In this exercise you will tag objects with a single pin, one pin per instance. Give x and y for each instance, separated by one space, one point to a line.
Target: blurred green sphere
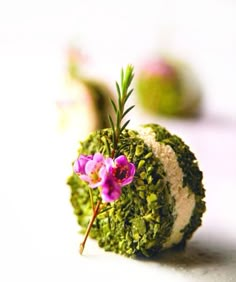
168 87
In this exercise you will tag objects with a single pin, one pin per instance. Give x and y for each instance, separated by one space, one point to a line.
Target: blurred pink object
159 67
75 55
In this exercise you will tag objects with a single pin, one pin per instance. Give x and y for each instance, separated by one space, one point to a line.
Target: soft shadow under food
198 253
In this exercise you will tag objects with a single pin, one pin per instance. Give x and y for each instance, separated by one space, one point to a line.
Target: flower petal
111 191
123 171
80 163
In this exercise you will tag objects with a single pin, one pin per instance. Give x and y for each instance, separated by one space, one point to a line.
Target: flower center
94 174
94 177
120 173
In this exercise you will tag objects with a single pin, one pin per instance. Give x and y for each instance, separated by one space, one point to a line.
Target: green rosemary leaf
118 90
118 118
128 77
124 87
120 104
128 94
122 76
126 111
113 105
111 123
124 125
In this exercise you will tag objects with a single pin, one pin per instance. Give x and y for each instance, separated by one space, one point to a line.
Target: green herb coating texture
142 220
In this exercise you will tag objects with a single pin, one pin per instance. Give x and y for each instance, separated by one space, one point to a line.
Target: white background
38 232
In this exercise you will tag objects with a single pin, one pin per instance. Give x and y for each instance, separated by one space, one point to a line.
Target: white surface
38 232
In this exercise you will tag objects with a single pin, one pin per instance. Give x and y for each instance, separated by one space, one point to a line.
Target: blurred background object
85 105
166 86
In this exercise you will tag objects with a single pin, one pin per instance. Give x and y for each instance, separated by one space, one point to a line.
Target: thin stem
95 213
91 199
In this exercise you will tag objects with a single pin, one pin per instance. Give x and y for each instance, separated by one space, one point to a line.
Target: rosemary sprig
124 93
117 128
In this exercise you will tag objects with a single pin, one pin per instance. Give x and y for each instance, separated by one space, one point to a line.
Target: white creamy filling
184 197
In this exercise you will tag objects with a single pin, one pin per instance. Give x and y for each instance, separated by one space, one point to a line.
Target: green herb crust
192 175
141 220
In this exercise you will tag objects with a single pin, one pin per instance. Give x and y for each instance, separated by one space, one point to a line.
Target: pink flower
79 164
111 175
122 171
111 191
92 169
